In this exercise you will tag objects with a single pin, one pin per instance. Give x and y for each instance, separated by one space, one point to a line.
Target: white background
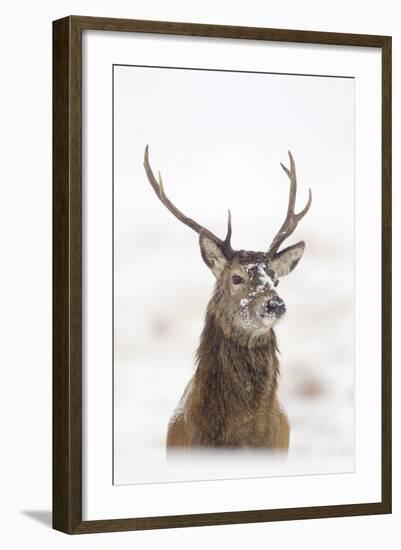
218 139
25 299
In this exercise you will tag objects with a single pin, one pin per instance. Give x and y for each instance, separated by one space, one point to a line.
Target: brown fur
231 400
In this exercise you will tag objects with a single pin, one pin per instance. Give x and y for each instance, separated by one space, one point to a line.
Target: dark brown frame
67 278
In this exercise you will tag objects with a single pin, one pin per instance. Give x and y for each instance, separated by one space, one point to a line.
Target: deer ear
212 255
287 260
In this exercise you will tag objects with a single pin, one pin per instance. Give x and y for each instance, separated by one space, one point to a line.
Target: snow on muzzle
275 307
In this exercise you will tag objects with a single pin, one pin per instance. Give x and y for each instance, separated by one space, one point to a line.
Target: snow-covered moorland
223 150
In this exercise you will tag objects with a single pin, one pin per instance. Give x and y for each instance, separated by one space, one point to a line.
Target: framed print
221 274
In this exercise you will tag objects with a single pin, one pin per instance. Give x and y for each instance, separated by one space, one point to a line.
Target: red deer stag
231 401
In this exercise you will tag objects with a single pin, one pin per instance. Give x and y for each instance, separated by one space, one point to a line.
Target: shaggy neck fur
234 377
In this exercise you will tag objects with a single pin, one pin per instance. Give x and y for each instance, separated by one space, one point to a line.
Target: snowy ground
155 359
162 286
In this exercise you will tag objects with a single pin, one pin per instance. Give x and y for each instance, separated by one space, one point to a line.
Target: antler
291 221
158 188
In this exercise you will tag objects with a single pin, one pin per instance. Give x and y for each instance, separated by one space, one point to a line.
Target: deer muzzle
275 306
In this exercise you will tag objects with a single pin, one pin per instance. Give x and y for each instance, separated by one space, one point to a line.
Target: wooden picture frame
67 273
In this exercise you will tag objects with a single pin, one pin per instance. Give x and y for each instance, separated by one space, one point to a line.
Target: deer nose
275 306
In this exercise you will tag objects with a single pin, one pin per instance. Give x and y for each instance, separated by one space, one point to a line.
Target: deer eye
276 283
237 280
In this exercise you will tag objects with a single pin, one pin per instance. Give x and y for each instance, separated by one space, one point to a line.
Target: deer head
246 299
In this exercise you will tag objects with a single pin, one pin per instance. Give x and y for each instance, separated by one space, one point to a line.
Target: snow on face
262 278
260 282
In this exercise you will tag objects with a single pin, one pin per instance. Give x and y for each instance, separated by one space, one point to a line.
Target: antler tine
229 229
159 190
292 219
